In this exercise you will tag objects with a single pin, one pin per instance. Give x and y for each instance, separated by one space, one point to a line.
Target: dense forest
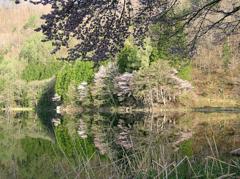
127 87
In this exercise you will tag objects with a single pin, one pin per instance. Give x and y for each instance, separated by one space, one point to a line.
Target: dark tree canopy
100 27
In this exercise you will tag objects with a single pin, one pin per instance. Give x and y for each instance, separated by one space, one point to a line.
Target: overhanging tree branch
100 27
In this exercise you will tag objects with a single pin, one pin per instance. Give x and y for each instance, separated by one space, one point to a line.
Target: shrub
40 71
40 64
74 73
82 71
166 45
34 50
128 59
148 80
185 72
133 58
63 80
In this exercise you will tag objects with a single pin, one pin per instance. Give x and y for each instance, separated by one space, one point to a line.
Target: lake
181 144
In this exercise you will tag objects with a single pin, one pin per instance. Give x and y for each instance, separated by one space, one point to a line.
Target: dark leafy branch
218 15
99 28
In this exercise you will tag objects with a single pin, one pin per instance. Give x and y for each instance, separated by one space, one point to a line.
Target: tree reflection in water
120 145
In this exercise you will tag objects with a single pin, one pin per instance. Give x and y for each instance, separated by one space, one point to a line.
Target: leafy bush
185 72
166 45
82 71
40 71
128 59
34 50
40 64
73 73
133 58
149 79
63 80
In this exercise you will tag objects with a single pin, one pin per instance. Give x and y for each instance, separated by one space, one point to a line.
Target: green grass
227 55
33 50
2 84
186 148
31 23
185 72
1 57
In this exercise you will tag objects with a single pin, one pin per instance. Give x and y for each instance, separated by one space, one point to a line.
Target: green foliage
185 72
31 23
149 78
2 53
2 84
34 50
145 53
41 156
37 147
40 64
74 147
21 98
226 55
74 73
82 71
156 73
132 58
1 57
40 71
186 148
63 80
166 45
65 141
128 60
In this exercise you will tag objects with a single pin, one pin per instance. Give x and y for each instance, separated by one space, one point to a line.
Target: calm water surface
162 145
